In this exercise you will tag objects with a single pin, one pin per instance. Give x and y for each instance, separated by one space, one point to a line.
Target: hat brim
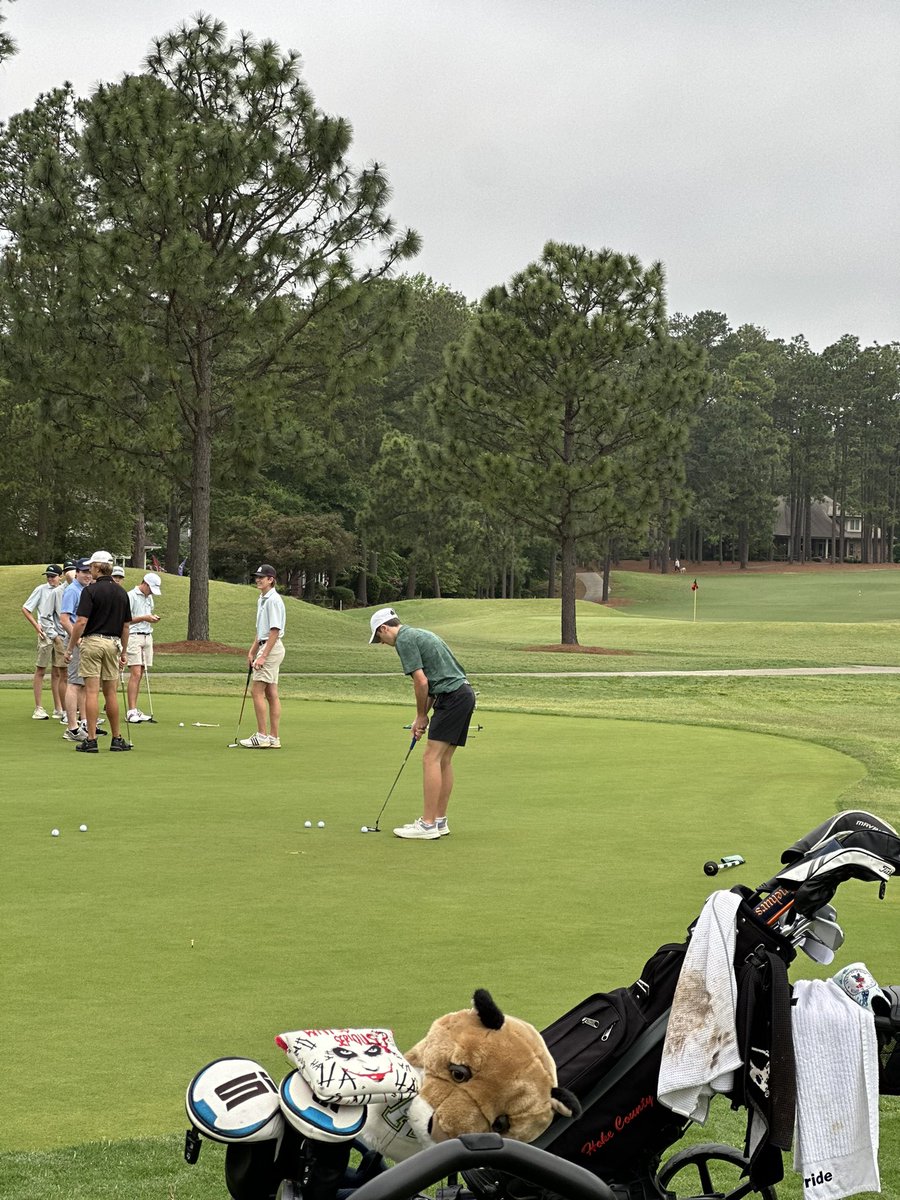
157 591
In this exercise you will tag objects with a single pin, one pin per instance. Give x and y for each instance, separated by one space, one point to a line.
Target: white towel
836 1051
700 1053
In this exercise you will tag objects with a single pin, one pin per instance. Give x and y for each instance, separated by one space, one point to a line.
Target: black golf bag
608 1051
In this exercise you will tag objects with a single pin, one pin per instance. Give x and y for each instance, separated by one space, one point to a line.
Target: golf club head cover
314 1119
350 1066
234 1100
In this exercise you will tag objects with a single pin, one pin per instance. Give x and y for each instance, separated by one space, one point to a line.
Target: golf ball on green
365 829
82 828
181 724
321 824
307 824
54 833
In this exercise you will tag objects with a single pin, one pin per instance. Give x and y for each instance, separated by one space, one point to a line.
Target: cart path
737 672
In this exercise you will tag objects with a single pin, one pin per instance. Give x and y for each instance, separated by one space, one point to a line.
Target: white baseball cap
381 618
118 572
102 557
153 582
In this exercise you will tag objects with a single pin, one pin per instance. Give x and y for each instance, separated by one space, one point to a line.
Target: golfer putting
439 682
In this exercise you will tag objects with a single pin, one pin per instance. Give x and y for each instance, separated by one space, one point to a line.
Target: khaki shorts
269 671
100 658
51 653
140 644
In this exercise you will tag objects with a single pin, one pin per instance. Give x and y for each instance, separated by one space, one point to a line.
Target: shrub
342 597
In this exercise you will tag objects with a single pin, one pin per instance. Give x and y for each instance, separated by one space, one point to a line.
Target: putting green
197 916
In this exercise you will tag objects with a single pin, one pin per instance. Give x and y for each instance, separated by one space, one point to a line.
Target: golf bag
888 1030
607 1050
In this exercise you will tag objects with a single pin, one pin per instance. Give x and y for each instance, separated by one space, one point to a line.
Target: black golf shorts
452 714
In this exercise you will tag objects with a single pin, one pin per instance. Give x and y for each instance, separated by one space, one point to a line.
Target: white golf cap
118 572
102 557
381 618
153 582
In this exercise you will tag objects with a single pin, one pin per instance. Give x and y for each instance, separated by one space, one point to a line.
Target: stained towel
836 1050
700 1053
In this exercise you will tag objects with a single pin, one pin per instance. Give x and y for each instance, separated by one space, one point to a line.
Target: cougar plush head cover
483 1071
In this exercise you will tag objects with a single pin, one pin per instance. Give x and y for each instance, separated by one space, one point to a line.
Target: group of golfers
91 631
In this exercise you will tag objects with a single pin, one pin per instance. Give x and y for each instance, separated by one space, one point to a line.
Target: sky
753 146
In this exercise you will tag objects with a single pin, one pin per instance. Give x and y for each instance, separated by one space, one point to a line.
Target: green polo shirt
421 650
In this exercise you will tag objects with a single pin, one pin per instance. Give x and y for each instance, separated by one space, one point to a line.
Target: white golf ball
321 824
365 829
181 724
307 824
82 828
54 833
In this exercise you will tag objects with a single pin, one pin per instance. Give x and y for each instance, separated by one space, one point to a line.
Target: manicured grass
584 812
198 917
845 596
752 620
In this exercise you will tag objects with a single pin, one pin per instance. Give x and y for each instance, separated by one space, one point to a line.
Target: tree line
210 343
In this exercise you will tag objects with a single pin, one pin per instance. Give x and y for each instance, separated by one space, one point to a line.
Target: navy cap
53 570
82 564
69 565
265 570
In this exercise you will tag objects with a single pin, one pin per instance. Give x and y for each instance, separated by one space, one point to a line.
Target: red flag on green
694 586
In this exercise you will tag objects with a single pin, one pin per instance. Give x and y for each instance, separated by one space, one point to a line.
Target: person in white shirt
265 657
140 640
44 601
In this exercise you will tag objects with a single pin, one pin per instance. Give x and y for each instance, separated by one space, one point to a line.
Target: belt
111 637
141 633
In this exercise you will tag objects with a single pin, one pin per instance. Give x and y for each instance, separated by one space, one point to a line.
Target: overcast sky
751 145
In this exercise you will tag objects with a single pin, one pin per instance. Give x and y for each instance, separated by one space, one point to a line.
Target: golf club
125 706
375 828
725 863
203 725
147 681
472 728
231 745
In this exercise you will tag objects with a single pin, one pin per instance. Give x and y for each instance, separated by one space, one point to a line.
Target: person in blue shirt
75 684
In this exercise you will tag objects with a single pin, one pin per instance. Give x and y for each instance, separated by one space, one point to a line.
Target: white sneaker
40 714
134 716
78 735
418 829
57 715
442 827
259 741
274 743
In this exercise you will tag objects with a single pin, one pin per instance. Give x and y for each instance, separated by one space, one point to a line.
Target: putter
147 681
376 828
231 745
472 728
203 725
125 706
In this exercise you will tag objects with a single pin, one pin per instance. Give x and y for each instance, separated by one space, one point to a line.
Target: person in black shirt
102 624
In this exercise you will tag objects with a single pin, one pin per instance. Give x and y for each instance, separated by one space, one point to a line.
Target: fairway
197 916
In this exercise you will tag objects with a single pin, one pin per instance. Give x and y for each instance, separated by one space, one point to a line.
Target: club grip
725 863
